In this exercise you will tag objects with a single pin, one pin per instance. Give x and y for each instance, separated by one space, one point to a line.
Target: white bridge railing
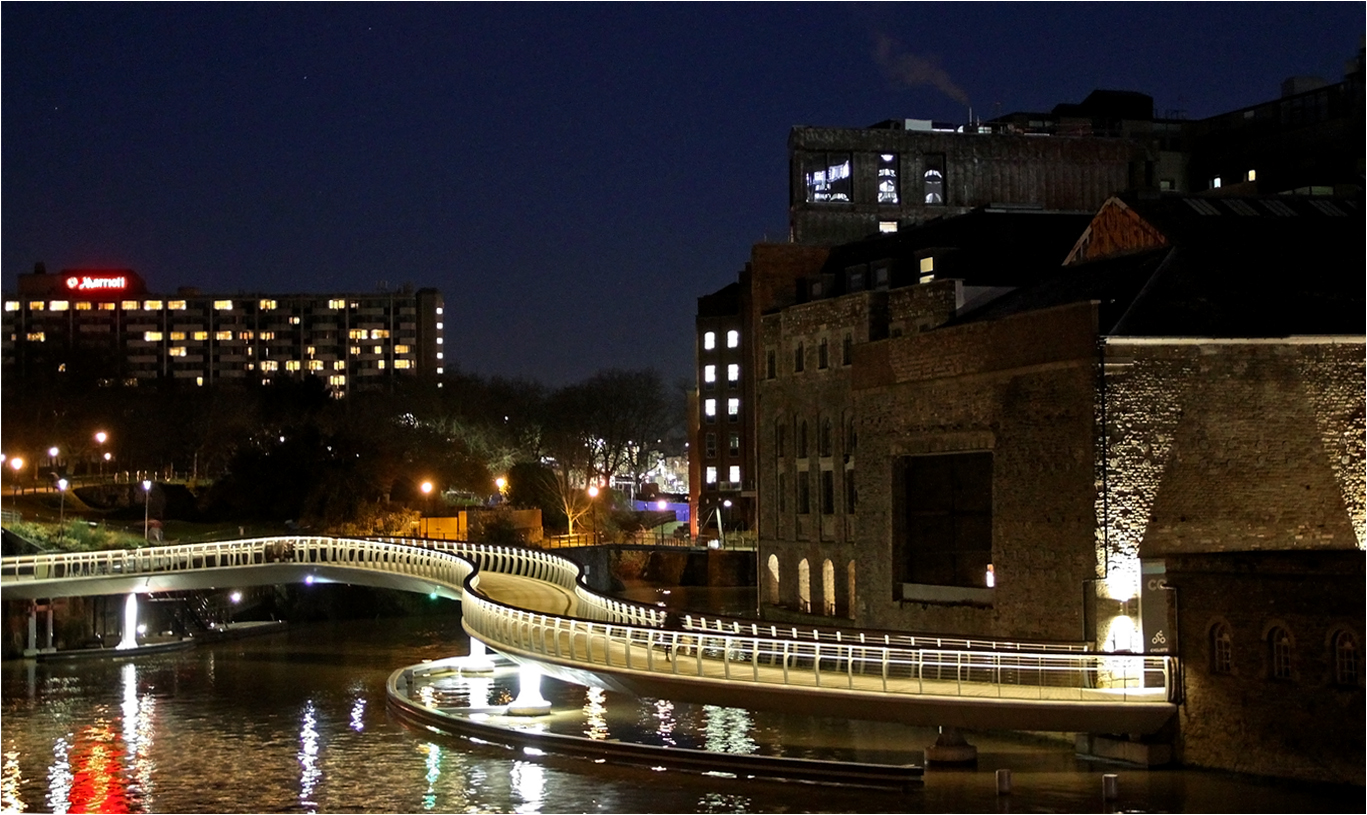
616 635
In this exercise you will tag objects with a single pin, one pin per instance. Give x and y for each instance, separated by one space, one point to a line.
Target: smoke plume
909 70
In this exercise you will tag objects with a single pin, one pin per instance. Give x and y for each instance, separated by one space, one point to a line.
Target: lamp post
16 463
62 484
662 505
721 521
426 488
146 506
52 453
593 515
100 438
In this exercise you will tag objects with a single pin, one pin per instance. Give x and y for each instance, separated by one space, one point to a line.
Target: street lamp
62 484
100 438
593 515
502 484
426 488
662 505
16 464
146 504
721 521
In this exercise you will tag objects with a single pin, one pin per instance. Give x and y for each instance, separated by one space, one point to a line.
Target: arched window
1221 649
1345 658
773 580
1279 653
802 439
804 586
824 439
828 588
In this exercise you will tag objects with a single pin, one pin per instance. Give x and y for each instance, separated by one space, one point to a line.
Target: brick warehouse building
105 326
1088 457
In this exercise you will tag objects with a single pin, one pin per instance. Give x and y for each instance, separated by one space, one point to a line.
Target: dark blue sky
571 177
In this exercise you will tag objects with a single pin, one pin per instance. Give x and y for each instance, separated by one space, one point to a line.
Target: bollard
1003 782
1110 787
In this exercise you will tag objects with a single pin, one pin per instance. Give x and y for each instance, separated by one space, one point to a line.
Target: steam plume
909 70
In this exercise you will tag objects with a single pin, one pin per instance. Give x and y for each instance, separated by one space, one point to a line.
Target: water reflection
137 735
97 781
529 781
308 758
429 798
358 715
664 714
11 778
595 714
716 802
727 730
59 776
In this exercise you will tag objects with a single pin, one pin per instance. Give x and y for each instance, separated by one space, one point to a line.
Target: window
177 336
782 492
887 184
269 365
847 350
107 306
128 305
827 492
357 333
804 493
1279 653
733 443
152 336
711 475
336 303
709 340
36 336
887 227
709 375
292 365
36 305
317 364
266 305
733 374
709 410
200 335
267 335
823 357
733 339
1215 183
223 305
11 305
945 504
827 177
851 498
770 364
933 184
151 305
824 439
223 335
339 365
60 305
799 358
1166 184
176 305
802 439
733 474
733 410
1251 175
84 305
401 349
781 438
880 274
177 351
1345 659
244 335
337 380
710 445
1221 649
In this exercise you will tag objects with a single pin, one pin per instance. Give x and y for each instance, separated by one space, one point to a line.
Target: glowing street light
146 504
62 484
426 487
100 438
52 453
16 463
593 515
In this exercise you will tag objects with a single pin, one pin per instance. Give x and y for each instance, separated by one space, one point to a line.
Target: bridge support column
32 648
529 701
130 623
479 661
951 748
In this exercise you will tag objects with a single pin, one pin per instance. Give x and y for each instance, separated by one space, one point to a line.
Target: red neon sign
96 282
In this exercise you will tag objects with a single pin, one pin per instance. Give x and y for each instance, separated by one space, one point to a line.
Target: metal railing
617 635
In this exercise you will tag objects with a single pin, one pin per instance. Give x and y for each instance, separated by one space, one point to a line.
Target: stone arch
828 588
804 586
772 584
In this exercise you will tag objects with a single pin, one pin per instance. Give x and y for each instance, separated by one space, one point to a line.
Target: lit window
733 444
294 321
129 305
439 371
933 180
176 305
292 365
357 333
711 477
827 177
83 305
733 409
106 306
177 336
709 338
269 365
438 340
887 184
734 474
709 409
380 365
439 325
439 311
223 335
36 305
245 335
266 305
339 365
440 355
403 364
401 349
887 227
151 305
177 351
37 336
310 350
733 372
927 269
355 349
337 380
1215 183
60 305
335 303
200 335
11 305
377 350
733 339
315 365
152 336
1252 175
199 381
709 373
267 335
383 333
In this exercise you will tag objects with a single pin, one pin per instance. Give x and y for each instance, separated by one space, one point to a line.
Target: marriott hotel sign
96 283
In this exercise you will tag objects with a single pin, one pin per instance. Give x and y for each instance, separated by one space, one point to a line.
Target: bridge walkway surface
533 607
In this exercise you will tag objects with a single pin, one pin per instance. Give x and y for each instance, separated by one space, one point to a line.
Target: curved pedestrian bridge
533 607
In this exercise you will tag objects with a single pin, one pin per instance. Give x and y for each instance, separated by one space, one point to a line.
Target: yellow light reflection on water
308 757
727 730
529 782
595 712
10 781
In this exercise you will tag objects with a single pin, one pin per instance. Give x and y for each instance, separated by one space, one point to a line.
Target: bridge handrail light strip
621 646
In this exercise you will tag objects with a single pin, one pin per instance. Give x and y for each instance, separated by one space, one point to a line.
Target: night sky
571 177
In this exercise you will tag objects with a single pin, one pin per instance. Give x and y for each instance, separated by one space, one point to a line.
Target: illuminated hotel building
105 325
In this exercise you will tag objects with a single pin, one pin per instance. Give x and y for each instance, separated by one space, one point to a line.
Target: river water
296 722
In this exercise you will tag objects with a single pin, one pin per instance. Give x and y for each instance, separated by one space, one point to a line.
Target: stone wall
1308 725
